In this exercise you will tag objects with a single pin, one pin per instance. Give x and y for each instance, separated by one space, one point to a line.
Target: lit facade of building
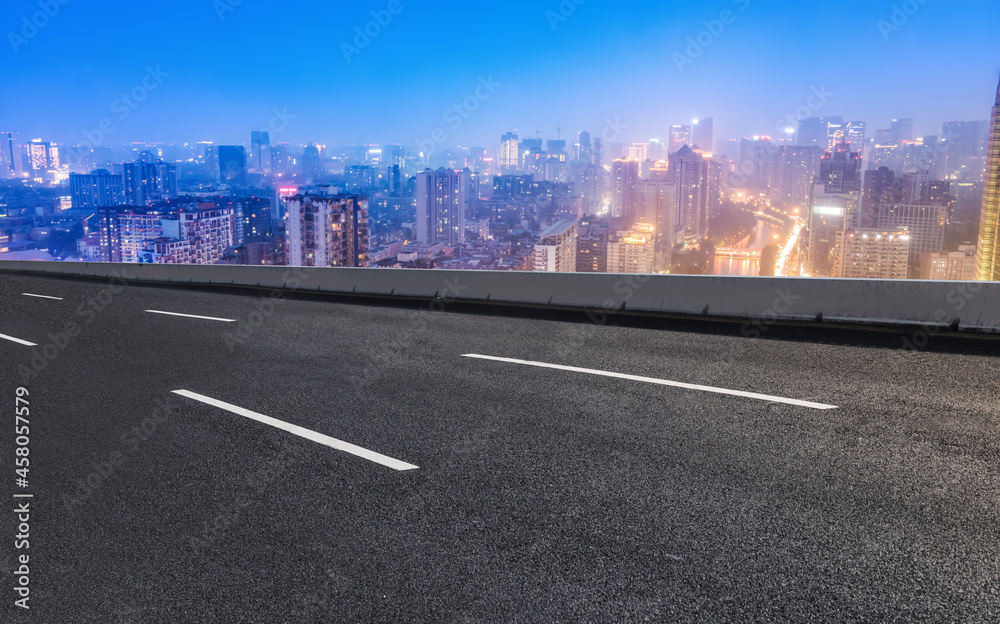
988 259
99 188
327 231
954 266
443 198
926 224
625 173
689 172
632 252
556 251
872 254
829 215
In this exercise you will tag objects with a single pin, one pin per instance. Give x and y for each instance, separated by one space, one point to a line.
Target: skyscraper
872 254
556 251
146 182
260 151
625 174
586 152
232 164
988 259
840 170
327 230
815 131
900 131
794 174
679 137
703 134
312 162
510 154
100 188
689 171
442 202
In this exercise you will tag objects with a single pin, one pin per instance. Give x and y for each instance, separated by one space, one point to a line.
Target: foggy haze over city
573 65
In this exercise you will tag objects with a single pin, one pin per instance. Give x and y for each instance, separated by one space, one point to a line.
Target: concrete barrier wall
974 306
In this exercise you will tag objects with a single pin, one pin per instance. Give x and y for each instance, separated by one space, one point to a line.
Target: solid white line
42 296
662 382
340 445
18 341
205 318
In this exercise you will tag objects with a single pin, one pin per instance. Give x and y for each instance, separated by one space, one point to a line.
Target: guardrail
758 301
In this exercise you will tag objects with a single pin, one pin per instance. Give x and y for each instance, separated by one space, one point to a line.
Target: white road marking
340 445
204 318
662 382
18 341
42 296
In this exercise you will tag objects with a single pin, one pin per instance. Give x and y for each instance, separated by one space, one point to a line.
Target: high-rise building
586 149
632 251
850 132
510 154
148 182
754 165
840 170
233 164
99 188
327 230
556 249
831 213
795 171
703 134
209 230
880 186
988 259
40 157
953 266
689 172
657 203
125 231
815 131
312 163
638 152
281 158
442 203
625 174
872 254
679 137
260 151
212 160
901 131
592 246
925 223
9 148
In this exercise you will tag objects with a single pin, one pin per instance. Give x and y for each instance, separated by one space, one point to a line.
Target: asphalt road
539 494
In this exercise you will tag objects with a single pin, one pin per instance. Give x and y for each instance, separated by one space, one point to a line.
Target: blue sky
558 64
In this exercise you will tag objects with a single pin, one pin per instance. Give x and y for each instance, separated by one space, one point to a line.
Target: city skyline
574 69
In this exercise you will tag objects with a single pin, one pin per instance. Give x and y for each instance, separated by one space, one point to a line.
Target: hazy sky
572 63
